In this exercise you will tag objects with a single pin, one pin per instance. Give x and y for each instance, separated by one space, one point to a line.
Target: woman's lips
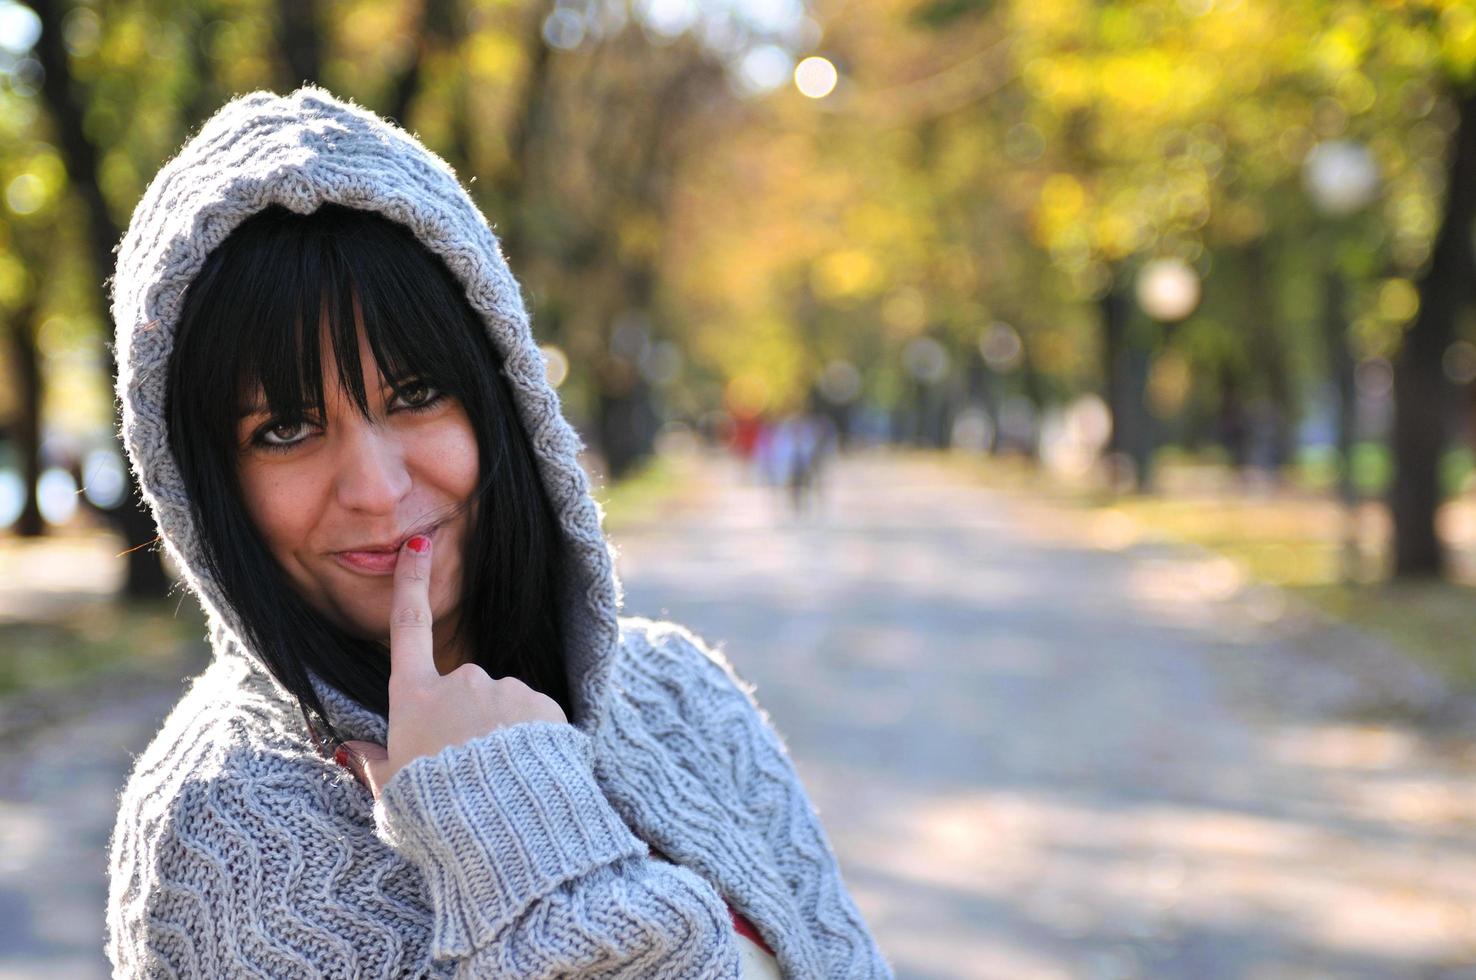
380 562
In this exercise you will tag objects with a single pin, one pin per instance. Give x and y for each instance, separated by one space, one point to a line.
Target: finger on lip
427 533
423 538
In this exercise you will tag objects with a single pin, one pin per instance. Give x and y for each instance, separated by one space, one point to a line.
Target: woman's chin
368 617
362 621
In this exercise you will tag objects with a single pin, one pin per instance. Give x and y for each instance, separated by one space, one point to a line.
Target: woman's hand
429 711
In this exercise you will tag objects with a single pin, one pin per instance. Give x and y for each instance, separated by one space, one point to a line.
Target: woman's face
334 498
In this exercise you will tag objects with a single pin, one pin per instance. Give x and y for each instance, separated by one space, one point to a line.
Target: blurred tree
1153 121
30 208
595 197
1408 71
67 107
300 40
1422 392
1134 130
25 362
961 222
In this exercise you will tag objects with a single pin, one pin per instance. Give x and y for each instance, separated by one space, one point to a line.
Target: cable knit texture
240 851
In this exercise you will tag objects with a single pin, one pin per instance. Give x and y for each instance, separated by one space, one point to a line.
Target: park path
1036 757
1041 758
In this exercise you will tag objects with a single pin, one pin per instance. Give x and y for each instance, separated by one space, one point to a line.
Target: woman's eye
416 394
282 434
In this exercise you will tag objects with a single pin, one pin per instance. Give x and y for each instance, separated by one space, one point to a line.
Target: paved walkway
1040 759
1036 758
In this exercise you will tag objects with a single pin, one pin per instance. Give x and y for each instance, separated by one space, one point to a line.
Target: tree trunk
1126 359
624 421
1232 425
146 577
205 94
1340 368
300 38
510 187
983 392
1421 391
27 363
1032 386
1116 310
1142 437
440 26
1268 351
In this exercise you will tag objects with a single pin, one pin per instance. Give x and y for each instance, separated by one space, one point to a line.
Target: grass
100 636
657 483
1289 536
1432 621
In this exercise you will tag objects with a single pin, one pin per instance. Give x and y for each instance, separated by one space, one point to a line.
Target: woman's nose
372 476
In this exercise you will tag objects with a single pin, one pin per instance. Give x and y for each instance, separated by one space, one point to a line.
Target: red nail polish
341 756
419 544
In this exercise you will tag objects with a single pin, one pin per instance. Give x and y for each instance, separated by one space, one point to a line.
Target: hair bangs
342 276
413 312
279 369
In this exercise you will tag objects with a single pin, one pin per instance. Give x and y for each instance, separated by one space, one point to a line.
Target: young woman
427 743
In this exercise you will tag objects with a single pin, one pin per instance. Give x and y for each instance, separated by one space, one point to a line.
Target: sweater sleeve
531 873
471 867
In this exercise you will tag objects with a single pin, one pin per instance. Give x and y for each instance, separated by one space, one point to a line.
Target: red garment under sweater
741 925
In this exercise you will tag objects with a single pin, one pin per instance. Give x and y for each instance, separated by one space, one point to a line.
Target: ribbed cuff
499 822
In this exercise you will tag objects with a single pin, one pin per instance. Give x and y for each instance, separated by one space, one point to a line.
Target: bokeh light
56 495
103 477
1001 348
12 496
25 194
19 27
662 362
563 29
764 69
926 360
1168 289
1459 362
556 364
1341 176
815 77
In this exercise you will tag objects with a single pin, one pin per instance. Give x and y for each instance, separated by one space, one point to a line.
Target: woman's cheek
451 455
280 505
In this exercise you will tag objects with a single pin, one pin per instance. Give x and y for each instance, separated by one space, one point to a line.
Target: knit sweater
239 850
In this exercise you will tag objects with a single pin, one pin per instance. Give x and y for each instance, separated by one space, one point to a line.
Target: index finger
412 650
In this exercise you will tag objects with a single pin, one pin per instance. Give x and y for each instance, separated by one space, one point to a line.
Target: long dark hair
252 318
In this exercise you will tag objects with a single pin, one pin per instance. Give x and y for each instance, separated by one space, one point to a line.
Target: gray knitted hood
302 151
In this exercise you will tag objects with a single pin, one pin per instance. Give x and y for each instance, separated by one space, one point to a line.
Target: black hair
252 321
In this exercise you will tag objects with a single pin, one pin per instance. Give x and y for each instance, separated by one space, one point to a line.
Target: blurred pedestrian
793 453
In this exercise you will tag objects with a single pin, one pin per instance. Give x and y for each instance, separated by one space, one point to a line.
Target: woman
335 407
